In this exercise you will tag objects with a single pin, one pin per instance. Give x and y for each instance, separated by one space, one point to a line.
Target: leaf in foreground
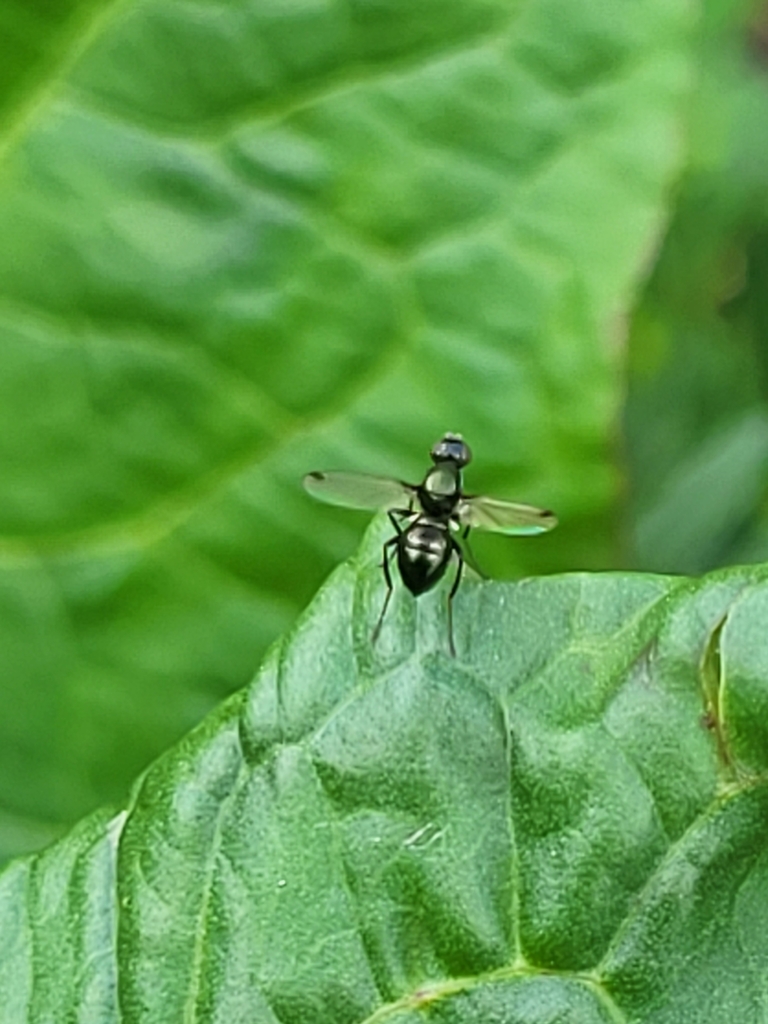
566 822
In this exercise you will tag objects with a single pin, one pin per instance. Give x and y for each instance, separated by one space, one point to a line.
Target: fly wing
359 490
504 516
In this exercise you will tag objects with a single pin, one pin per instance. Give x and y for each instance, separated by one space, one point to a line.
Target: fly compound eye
452 448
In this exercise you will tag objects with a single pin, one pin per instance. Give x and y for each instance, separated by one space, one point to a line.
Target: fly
431 520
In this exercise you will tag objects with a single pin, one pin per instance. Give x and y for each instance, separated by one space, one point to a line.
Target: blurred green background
240 241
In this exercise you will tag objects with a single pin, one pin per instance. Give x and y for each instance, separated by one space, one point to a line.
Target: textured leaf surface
566 822
242 241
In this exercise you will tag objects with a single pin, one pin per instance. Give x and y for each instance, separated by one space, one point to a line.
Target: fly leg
454 588
388 577
395 517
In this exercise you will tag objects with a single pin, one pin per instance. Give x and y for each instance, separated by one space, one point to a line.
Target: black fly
428 517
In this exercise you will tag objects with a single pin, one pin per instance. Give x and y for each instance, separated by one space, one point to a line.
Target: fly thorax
442 481
441 489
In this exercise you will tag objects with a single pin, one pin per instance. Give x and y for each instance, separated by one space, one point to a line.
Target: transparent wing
359 490
504 516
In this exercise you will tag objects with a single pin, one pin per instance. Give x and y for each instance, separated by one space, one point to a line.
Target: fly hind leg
460 556
396 515
386 552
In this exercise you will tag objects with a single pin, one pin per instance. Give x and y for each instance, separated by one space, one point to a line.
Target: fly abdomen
423 553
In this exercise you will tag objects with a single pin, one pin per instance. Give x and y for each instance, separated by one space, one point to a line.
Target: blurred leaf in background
241 241
696 419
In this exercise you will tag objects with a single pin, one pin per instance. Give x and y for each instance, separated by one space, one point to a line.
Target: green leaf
243 241
707 496
35 35
567 821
